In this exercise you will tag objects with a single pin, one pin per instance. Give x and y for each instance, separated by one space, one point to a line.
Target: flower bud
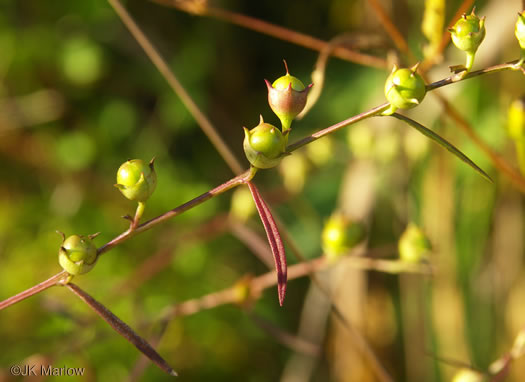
340 235
468 34
413 245
77 254
404 89
287 97
264 145
136 180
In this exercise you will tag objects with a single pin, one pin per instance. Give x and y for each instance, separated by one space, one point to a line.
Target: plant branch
52 281
169 76
391 29
329 130
260 283
273 30
234 182
490 69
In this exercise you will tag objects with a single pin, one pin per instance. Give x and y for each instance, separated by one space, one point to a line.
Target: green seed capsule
77 254
136 180
404 89
413 245
467 35
287 97
264 145
468 32
340 235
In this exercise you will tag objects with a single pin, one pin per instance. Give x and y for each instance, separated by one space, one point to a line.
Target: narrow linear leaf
443 142
274 238
123 329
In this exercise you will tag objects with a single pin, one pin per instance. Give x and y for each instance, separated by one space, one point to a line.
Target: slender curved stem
276 31
238 180
391 29
329 130
491 69
260 283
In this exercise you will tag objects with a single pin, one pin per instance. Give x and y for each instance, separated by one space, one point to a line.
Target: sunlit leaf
274 238
443 142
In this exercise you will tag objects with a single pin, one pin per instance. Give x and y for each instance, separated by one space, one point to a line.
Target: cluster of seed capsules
265 145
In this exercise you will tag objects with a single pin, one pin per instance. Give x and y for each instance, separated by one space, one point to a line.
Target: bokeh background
78 97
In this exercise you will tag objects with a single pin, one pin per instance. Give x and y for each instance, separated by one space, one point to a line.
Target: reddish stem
52 281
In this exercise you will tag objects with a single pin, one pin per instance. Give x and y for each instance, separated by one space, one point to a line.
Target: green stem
286 125
138 214
470 61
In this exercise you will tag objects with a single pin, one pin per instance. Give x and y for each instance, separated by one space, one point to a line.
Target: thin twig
177 87
347 122
488 70
52 281
391 29
238 180
276 31
260 283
